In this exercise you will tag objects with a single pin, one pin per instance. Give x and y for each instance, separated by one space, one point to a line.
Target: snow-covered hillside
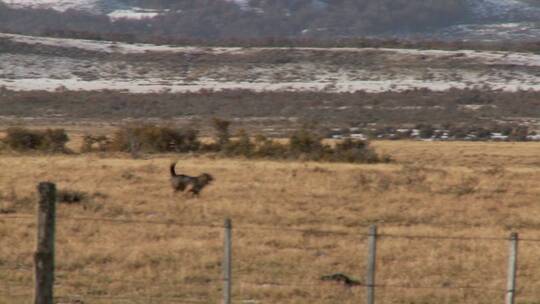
483 9
504 9
59 5
395 69
114 9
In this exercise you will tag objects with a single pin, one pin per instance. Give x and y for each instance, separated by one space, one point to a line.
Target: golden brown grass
433 189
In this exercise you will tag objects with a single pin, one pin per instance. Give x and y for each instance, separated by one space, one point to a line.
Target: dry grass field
165 248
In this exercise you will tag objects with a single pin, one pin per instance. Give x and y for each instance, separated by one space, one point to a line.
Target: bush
302 144
355 151
95 143
242 146
50 140
150 138
305 142
221 127
267 148
54 140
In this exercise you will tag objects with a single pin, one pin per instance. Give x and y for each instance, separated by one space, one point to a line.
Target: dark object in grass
71 197
341 278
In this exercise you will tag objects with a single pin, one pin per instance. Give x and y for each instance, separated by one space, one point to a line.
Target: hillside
33 63
51 80
308 19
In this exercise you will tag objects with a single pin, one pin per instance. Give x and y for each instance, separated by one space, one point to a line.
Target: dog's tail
173 173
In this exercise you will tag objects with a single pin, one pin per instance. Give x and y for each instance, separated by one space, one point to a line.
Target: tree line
220 19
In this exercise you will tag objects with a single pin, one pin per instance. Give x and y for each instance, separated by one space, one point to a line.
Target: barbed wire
136 221
18 216
132 298
528 240
9 295
195 225
382 286
525 292
267 283
436 237
300 230
277 284
17 268
60 282
308 231
483 288
10 284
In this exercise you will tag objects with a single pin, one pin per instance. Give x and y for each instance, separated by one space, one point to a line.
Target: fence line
17 295
44 256
316 283
157 282
391 286
456 238
134 299
138 298
17 268
276 228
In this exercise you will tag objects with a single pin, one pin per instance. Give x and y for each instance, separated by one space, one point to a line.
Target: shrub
354 151
267 148
50 140
222 131
242 146
95 143
306 145
54 140
150 138
305 142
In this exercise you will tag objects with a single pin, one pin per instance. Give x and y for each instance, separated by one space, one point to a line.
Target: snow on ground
158 85
486 57
134 13
501 8
109 46
523 31
112 9
59 5
489 70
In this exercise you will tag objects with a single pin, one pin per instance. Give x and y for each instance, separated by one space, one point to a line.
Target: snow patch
59 5
135 13
484 57
506 71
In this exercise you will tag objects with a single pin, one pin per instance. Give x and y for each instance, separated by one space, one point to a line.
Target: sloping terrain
464 19
112 8
34 63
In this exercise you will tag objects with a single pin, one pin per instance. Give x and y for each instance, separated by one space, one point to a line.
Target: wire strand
435 237
137 298
312 231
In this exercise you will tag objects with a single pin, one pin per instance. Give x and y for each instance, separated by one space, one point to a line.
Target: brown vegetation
391 108
49 140
433 189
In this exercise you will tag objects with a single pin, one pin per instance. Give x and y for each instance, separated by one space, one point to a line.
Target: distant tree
426 131
221 127
520 133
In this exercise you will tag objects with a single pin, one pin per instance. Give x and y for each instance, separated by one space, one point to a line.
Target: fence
44 262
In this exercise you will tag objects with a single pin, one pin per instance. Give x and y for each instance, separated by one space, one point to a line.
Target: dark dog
181 182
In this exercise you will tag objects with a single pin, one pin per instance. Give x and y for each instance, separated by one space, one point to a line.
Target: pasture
130 240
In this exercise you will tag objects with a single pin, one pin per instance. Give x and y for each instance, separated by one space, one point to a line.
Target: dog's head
206 178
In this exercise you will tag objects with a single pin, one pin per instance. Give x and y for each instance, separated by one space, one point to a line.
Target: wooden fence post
512 268
44 255
227 263
372 258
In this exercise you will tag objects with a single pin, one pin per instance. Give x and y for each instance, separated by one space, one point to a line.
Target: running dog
196 184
